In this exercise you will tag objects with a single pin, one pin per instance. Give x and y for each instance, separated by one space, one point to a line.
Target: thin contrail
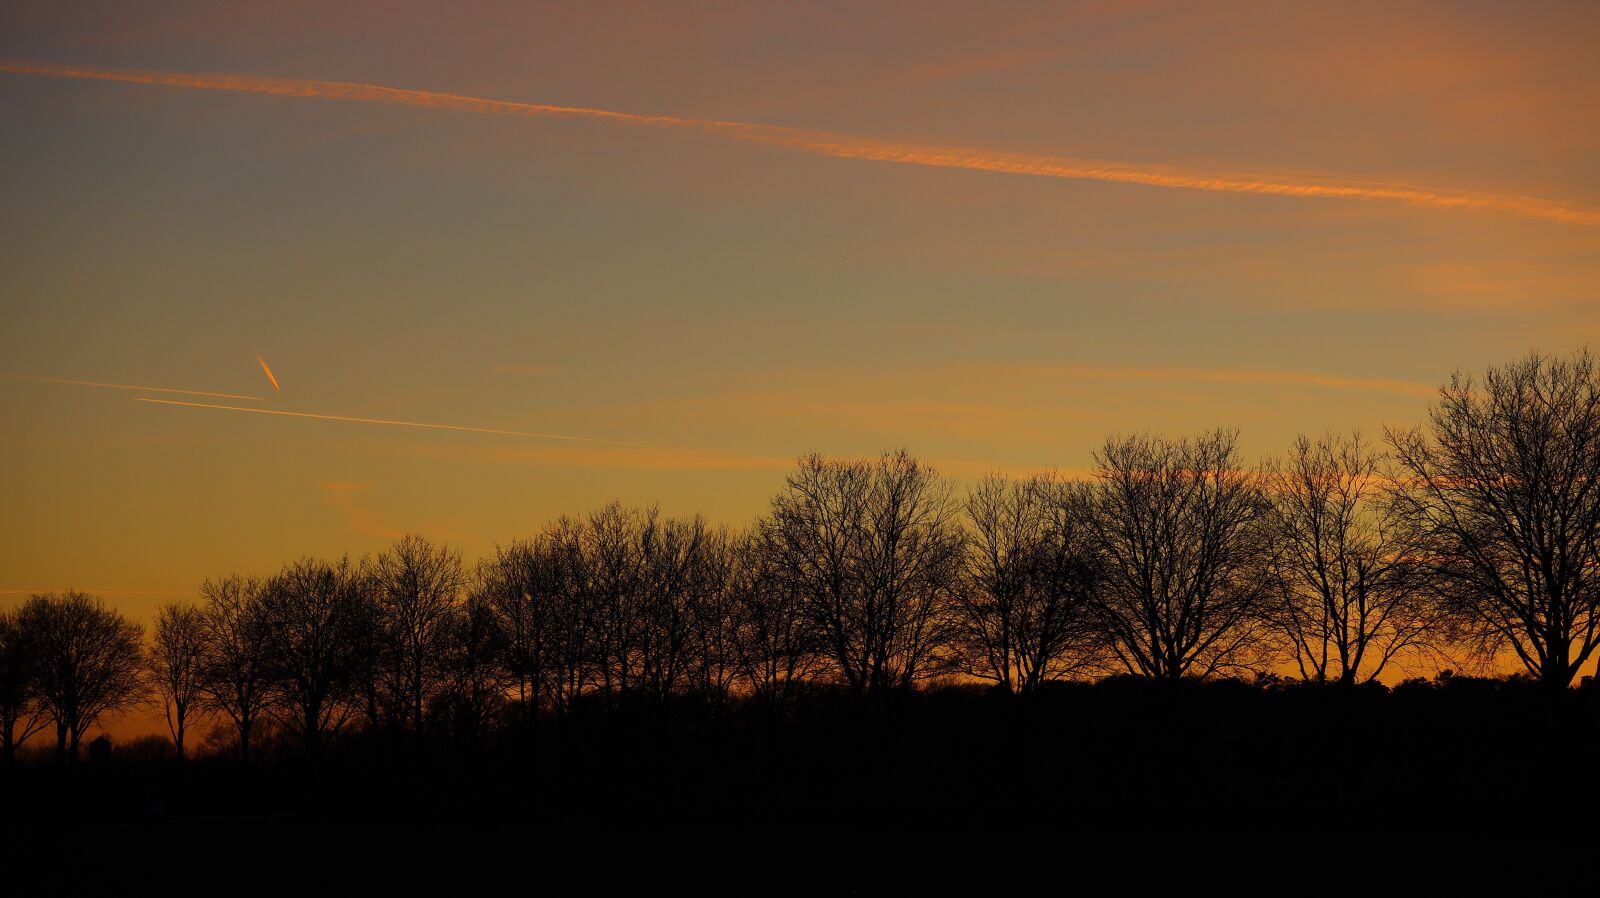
270 375
135 387
848 146
392 423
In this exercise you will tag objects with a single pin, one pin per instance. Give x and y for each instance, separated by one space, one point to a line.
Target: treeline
1471 538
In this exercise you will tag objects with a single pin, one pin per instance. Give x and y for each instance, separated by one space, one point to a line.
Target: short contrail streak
135 387
268 370
391 423
847 146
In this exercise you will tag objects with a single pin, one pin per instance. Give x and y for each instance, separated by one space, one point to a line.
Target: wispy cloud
133 387
848 146
385 421
344 496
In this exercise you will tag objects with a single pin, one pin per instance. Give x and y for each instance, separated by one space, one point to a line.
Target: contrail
847 146
269 411
269 372
90 383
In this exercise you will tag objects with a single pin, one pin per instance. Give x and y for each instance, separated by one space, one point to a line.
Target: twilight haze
282 279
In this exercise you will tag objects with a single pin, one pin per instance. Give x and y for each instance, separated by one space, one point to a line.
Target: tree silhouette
236 667
529 594
1504 483
1355 591
90 662
314 612
417 590
775 642
875 549
22 712
177 665
1030 580
1181 538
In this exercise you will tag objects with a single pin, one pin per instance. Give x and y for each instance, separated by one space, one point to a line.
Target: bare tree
477 676
22 712
1505 484
314 611
236 668
714 649
417 590
636 579
529 590
875 549
1355 590
774 640
1030 578
679 581
1183 546
90 662
177 664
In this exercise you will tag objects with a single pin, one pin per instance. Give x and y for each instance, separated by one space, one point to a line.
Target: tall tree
530 594
418 589
875 548
608 575
22 712
91 661
775 639
1504 481
677 590
1030 577
177 665
1184 550
314 610
1355 592
236 667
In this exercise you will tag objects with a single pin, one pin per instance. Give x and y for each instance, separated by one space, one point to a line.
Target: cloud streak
387 422
270 375
847 146
134 387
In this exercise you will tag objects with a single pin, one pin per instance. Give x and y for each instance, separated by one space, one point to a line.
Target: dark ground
1462 755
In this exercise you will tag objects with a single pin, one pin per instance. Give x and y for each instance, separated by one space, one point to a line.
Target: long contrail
391 423
135 387
848 146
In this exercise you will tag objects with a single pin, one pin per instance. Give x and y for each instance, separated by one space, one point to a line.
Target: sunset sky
840 228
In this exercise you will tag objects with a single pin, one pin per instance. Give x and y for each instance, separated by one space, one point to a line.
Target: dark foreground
1457 755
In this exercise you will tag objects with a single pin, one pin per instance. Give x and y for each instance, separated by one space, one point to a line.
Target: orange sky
943 226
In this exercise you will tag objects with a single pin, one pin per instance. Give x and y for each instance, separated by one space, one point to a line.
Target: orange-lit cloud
134 387
846 146
270 375
385 421
358 517
521 369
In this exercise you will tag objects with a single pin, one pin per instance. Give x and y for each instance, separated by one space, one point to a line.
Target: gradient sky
729 303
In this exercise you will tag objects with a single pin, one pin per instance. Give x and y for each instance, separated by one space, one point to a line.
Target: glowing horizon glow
847 146
270 375
134 387
389 422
